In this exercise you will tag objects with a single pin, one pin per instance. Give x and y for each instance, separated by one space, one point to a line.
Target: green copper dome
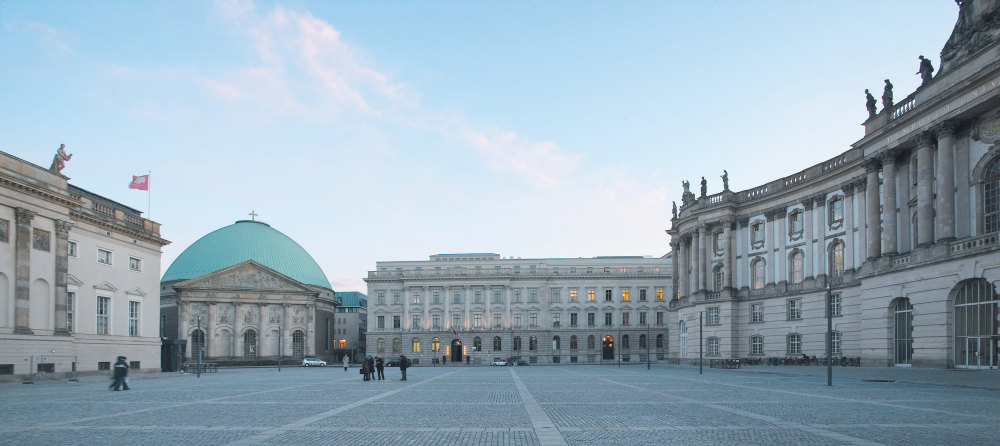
242 241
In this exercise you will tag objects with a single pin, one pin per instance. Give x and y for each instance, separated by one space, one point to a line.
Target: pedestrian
371 367
364 369
346 362
380 366
403 364
119 376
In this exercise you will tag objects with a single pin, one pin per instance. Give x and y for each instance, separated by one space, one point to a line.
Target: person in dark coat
380 366
365 370
403 364
371 367
119 375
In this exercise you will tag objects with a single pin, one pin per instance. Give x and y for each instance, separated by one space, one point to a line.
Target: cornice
122 229
38 192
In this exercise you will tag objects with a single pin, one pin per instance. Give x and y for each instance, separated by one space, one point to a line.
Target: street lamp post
201 346
647 345
829 336
701 342
279 349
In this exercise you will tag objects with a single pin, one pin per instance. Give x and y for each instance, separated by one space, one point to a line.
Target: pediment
248 276
106 286
137 292
72 280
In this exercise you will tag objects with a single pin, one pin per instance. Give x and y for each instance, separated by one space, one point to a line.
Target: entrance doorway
608 347
977 328
456 351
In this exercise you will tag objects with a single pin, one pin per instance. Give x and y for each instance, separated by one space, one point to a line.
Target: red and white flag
140 182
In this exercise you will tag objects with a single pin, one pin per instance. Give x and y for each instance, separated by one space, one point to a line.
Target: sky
393 130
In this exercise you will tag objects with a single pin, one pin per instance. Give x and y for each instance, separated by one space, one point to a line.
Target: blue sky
393 130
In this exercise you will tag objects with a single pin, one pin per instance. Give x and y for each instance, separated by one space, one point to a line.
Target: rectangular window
659 294
498 320
757 313
517 296
380 297
556 294
835 305
40 239
795 223
794 309
555 319
103 311
533 296
396 323
416 322
416 297
757 345
477 297
397 298
517 320
517 269
712 316
642 294
607 318
104 256
532 319
717 241
572 295
436 321
625 318
713 347
607 295
380 322
133 318
4 230
642 318
456 298
497 297
572 319
794 344
456 322
836 210
477 320
625 295
590 295
659 318
757 232
71 249
134 264
70 305
591 319
835 343
436 297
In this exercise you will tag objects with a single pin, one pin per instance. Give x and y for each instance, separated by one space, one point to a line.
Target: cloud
48 38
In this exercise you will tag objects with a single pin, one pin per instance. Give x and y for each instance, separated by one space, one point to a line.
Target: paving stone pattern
559 405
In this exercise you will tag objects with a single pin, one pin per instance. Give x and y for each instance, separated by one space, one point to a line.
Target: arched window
795 267
397 345
416 345
794 344
642 341
977 309
532 343
250 345
435 344
591 342
625 341
572 342
477 344
757 273
497 343
517 343
720 277
556 343
197 344
381 345
659 341
837 259
298 344
991 197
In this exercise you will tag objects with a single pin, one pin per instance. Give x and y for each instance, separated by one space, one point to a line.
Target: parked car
392 362
519 362
313 362
500 362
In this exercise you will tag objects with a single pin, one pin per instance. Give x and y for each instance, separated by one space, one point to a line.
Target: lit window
625 296
572 295
659 294
416 345
795 267
757 274
837 259
590 295
477 320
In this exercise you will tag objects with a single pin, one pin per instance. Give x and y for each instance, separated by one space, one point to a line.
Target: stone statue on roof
887 95
59 160
704 187
926 70
870 103
675 210
725 180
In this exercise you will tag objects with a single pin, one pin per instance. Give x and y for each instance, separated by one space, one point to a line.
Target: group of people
373 368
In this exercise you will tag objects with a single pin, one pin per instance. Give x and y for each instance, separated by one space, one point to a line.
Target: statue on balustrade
675 210
687 197
887 95
725 180
704 187
926 70
870 103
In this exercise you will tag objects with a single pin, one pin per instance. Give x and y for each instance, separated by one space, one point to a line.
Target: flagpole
149 195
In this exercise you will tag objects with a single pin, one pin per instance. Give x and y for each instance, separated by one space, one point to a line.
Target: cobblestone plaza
604 405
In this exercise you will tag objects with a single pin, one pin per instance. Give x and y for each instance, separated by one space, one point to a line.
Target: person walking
380 366
403 364
120 375
346 362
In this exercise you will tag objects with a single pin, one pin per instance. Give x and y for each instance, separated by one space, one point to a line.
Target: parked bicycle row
844 361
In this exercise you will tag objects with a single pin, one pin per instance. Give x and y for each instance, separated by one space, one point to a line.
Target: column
741 250
850 243
809 267
286 328
821 218
696 259
780 262
925 191
22 270
467 321
447 308
889 203
62 266
675 271
874 232
769 247
945 229
683 267
506 303
903 199
727 255
425 299
260 331
963 205
403 323
237 331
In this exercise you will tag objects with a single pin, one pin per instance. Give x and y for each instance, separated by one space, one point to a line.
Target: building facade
478 308
78 275
351 325
902 229
245 294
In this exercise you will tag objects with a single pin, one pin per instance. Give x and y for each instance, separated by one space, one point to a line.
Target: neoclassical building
244 294
902 227
477 308
79 275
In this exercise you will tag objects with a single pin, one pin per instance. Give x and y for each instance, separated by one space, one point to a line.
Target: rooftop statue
725 180
887 95
977 27
675 209
704 187
926 70
59 160
870 103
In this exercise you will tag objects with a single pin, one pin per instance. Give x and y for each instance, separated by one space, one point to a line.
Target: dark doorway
608 347
456 351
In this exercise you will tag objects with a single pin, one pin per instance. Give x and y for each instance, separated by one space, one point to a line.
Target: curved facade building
902 229
245 293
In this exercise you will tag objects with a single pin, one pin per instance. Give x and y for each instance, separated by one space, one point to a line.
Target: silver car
313 362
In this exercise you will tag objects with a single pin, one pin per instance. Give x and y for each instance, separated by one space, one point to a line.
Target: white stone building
903 227
79 276
478 308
